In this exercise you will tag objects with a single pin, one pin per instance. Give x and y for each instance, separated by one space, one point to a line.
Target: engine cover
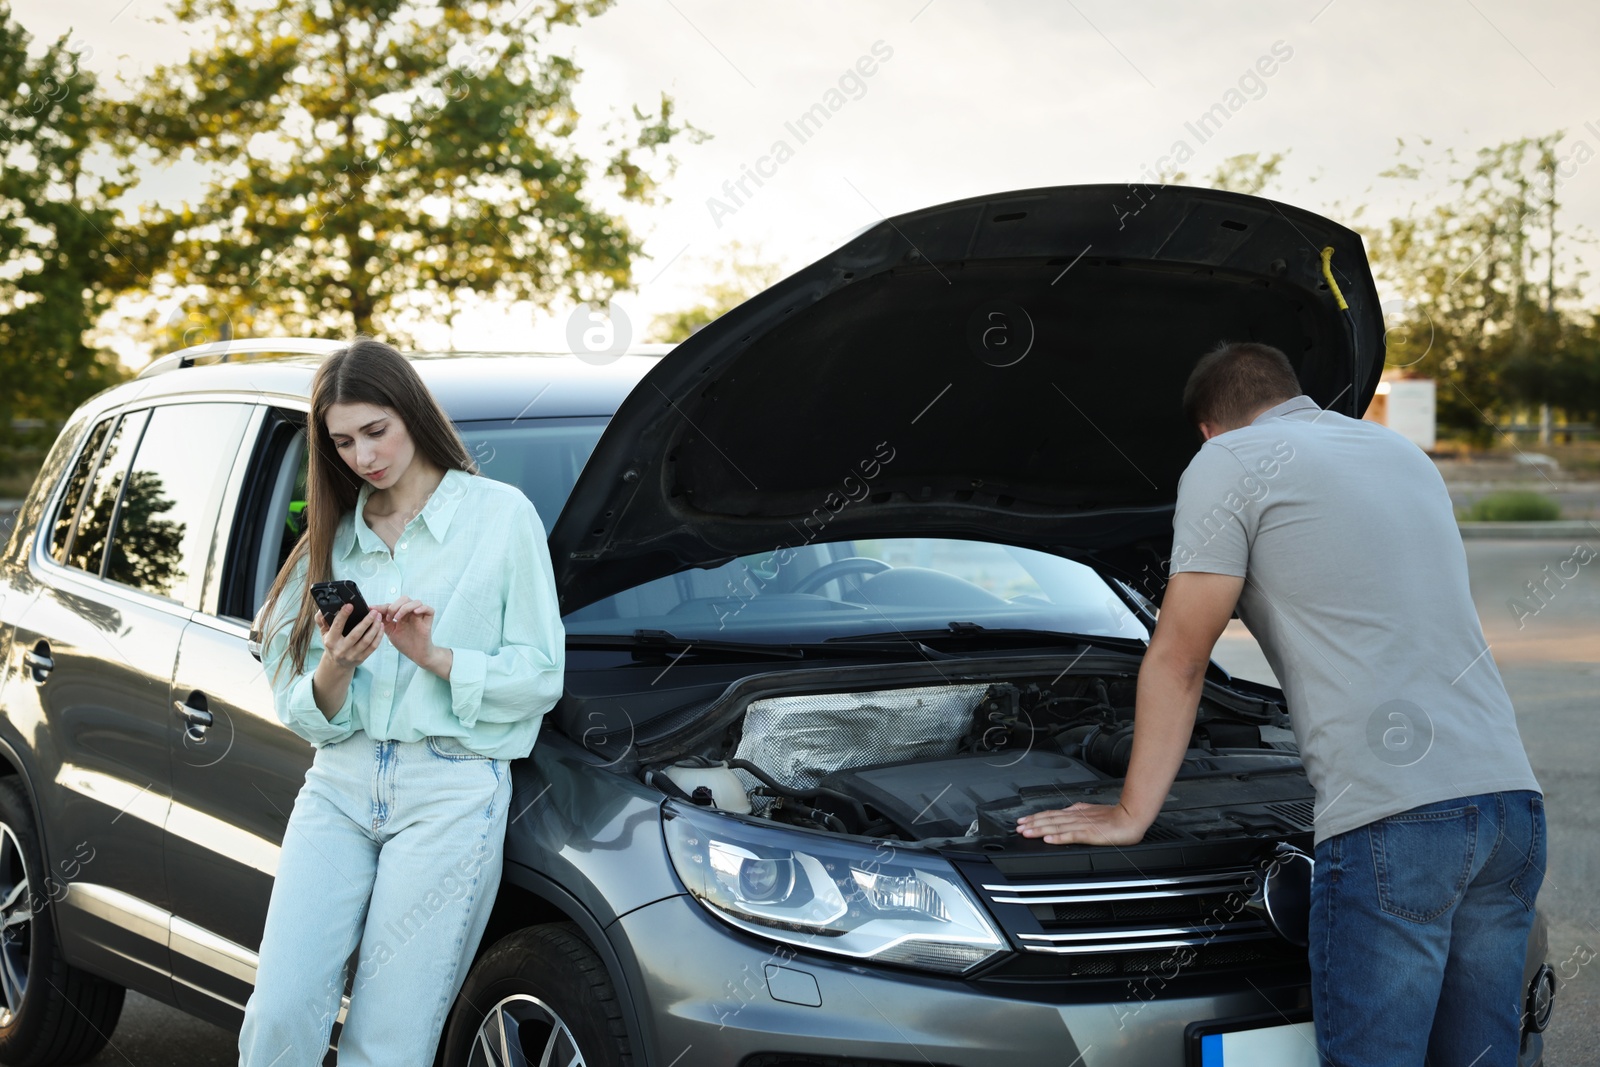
1273 802
942 797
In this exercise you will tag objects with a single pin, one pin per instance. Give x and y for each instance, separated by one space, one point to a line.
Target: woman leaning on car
395 840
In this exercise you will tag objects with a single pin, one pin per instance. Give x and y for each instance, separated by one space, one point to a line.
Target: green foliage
1246 173
1514 506
58 267
1488 286
378 160
740 273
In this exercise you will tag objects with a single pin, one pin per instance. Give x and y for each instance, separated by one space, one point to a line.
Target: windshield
816 591
882 586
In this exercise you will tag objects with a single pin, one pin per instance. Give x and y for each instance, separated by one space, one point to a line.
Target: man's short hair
1235 380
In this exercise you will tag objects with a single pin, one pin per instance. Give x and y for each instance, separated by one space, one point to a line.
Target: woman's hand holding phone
341 654
409 626
408 622
347 651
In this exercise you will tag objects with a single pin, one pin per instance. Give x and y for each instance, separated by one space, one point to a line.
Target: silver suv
851 579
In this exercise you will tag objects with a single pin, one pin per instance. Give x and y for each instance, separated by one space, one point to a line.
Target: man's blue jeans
395 846
1419 931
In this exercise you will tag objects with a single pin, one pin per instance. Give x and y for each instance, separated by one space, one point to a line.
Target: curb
1578 529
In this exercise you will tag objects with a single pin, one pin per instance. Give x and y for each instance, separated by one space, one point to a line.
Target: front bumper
714 996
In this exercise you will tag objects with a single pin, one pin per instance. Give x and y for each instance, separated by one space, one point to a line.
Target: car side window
270 517
167 515
77 482
88 548
283 516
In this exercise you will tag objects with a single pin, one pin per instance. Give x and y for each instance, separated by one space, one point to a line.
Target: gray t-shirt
1356 588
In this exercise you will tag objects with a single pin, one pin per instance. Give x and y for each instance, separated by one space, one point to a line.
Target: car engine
966 760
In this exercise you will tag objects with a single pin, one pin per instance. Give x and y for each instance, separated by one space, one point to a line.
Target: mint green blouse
476 554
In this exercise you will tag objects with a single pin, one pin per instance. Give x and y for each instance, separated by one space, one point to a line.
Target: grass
1513 506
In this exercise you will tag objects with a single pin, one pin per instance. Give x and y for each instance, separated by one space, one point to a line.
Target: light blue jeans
395 846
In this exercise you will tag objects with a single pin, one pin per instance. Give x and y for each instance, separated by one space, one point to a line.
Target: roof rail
245 349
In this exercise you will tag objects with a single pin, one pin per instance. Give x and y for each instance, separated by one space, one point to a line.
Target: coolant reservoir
727 791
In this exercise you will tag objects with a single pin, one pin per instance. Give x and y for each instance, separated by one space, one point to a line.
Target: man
1335 539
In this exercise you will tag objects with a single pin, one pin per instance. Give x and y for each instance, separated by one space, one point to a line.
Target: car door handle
39 663
196 718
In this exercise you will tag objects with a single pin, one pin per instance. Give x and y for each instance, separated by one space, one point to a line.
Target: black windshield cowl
967 636
647 644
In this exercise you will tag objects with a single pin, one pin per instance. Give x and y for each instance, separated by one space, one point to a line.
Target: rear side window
167 516
88 547
61 531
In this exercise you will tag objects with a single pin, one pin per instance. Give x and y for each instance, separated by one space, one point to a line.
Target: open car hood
1005 368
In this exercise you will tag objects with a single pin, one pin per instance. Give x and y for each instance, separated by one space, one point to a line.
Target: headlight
830 896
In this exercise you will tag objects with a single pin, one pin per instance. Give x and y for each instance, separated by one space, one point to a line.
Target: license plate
1252 1043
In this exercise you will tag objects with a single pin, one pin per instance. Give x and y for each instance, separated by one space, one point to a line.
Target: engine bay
964 761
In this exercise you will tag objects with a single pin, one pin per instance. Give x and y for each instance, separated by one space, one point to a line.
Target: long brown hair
364 372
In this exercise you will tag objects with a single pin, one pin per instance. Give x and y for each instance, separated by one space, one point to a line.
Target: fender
13 755
620 964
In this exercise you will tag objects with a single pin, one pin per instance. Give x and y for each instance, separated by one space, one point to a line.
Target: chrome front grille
1101 916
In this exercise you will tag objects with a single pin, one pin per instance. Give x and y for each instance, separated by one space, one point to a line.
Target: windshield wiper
663 641
965 632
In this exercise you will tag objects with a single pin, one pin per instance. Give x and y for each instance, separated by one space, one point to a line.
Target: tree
1247 172
739 274
1485 277
372 155
58 267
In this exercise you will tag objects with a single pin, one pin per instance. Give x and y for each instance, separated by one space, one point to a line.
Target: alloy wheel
16 925
523 1031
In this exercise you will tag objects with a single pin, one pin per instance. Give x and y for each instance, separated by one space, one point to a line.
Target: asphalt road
1551 664
1550 659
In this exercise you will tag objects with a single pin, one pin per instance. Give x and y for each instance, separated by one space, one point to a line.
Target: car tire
529 987
50 1012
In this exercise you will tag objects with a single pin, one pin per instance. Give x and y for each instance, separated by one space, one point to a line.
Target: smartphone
331 596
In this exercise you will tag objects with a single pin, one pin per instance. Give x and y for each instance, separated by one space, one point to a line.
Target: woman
394 843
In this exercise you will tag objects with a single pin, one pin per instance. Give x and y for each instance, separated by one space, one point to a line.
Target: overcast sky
967 98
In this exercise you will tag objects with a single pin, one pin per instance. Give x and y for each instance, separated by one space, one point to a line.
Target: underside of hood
1004 369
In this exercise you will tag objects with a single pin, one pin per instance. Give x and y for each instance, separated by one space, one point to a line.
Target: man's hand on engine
1085 824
